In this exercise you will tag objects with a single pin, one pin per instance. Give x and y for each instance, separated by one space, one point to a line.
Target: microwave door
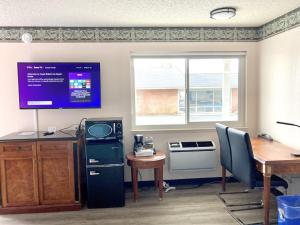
100 131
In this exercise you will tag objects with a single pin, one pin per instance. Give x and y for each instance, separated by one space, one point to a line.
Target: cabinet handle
93 161
94 173
115 148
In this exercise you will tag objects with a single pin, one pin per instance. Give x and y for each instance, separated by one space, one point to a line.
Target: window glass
159 91
215 83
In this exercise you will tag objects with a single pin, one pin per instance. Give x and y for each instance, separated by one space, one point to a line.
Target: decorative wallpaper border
127 34
280 24
153 34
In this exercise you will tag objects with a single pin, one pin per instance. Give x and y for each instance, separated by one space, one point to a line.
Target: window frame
241 122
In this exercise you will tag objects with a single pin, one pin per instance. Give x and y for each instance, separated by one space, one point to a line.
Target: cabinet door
56 172
19 185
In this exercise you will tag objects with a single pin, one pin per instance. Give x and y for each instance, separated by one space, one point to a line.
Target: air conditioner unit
192 155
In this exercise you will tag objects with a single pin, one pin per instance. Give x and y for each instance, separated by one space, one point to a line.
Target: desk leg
160 181
134 175
266 198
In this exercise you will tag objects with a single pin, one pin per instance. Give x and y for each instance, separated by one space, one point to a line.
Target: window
211 84
187 91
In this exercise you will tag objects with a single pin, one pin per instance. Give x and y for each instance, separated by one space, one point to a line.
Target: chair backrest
225 150
243 163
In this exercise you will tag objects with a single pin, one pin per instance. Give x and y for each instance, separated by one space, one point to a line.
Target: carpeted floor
185 206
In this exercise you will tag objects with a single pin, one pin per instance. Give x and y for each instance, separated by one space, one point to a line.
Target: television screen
59 85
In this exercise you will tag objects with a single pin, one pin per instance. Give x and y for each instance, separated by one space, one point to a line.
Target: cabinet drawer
54 147
17 149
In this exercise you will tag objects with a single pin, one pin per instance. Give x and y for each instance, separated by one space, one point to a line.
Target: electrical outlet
51 129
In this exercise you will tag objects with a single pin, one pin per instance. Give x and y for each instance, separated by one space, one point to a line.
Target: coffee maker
138 142
143 146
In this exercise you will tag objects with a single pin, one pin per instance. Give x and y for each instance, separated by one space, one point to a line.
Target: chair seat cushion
275 181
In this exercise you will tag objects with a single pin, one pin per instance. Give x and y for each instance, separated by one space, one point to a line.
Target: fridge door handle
93 161
94 173
105 165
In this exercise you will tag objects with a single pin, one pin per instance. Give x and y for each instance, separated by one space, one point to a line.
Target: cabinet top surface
39 136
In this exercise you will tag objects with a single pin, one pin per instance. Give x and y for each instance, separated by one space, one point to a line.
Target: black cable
78 132
193 186
64 132
65 128
289 124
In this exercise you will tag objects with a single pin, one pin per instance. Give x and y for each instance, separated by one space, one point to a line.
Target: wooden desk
273 158
155 162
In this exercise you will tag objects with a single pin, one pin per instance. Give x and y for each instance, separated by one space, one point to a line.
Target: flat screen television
54 85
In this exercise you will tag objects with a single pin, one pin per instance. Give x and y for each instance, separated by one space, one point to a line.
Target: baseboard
40 208
190 181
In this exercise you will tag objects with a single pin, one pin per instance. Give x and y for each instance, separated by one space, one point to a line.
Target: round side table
155 162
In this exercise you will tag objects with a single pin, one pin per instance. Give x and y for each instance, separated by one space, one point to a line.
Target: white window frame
241 122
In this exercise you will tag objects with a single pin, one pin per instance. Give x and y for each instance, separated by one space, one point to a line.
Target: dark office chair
225 151
243 163
226 162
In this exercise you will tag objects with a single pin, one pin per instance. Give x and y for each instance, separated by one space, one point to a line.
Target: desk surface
272 152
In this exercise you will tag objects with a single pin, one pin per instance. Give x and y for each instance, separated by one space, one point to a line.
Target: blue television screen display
59 85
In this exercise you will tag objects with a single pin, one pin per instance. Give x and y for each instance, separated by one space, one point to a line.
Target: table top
273 152
39 136
157 157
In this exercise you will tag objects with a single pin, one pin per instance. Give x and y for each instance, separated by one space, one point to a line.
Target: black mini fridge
105 175
104 172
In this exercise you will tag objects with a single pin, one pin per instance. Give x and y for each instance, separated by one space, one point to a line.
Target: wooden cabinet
55 172
37 174
19 183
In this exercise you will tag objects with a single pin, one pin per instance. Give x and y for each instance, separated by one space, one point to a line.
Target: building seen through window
184 90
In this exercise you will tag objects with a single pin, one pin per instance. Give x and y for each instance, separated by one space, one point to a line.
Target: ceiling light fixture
223 13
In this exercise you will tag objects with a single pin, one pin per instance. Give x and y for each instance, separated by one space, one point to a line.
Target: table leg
223 179
156 183
160 181
134 174
266 198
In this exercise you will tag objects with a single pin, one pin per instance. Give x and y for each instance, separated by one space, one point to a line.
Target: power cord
65 128
167 187
64 132
78 131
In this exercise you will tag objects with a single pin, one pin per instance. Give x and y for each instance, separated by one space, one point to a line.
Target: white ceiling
121 13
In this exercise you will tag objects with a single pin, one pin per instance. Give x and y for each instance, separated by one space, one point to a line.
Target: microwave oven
103 129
